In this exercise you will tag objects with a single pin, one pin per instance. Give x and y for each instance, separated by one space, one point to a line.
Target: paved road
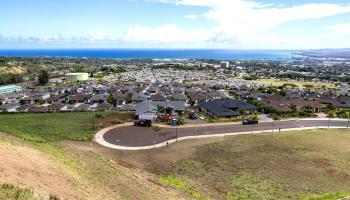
131 136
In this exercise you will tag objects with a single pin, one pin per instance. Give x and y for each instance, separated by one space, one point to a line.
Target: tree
112 100
41 101
21 101
128 98
43 77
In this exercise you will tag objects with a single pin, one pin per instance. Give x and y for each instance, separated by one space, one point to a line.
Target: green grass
182 185
328 196
11 192
49 127
307 165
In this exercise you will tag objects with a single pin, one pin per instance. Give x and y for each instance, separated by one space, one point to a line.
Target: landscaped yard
50 127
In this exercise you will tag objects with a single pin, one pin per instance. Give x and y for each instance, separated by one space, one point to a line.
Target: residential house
151 109
158 97
98 98
226 108
139 97
200 96
219 95
179 97
82 108
24 107
79 98
104 106
120 99
11 107
37 109
56 107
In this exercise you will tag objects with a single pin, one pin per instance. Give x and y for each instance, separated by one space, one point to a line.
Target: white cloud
166 34
191 17
341 29
242 21
51 38
99 36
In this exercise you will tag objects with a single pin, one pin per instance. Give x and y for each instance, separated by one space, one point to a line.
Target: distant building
8 89
225 64
77 77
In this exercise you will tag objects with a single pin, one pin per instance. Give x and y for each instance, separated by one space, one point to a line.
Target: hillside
45 170
50 154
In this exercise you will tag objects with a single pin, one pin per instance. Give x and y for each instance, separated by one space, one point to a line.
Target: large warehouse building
8 89
77 77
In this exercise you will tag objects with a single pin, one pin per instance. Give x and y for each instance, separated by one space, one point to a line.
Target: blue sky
233 24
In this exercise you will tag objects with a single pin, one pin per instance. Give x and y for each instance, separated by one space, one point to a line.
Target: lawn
49 127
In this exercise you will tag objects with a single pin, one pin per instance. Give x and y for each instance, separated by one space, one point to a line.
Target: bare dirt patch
112 119
31 169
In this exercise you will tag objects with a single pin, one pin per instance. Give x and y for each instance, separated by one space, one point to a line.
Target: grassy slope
286 166
50 126
97 174
10 192
310 164
92 175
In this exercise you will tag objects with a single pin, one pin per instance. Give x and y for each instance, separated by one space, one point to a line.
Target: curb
99 137
238 123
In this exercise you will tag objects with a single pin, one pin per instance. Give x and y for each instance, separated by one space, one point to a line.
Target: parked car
193 116
143 122
249 122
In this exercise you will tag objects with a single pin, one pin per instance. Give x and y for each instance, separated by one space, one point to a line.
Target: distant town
207 90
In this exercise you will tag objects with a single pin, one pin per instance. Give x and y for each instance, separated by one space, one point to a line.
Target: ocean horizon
218 54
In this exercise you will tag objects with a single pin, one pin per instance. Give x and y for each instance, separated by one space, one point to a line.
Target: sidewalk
239 122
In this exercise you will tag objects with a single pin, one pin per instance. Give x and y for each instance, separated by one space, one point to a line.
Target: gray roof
139 97
180 96
152 106
82 107
227 108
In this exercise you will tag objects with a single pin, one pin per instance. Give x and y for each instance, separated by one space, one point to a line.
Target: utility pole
176 134
154 139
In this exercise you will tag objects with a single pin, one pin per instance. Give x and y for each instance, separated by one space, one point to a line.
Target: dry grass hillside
47 171
12 70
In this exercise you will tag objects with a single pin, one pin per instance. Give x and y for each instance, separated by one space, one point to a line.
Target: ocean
273 55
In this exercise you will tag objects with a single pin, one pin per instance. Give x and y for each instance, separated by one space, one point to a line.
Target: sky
184 24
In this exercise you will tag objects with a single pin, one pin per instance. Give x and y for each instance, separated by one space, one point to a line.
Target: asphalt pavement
132 136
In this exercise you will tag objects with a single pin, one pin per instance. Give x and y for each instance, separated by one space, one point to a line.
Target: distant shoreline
217 54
